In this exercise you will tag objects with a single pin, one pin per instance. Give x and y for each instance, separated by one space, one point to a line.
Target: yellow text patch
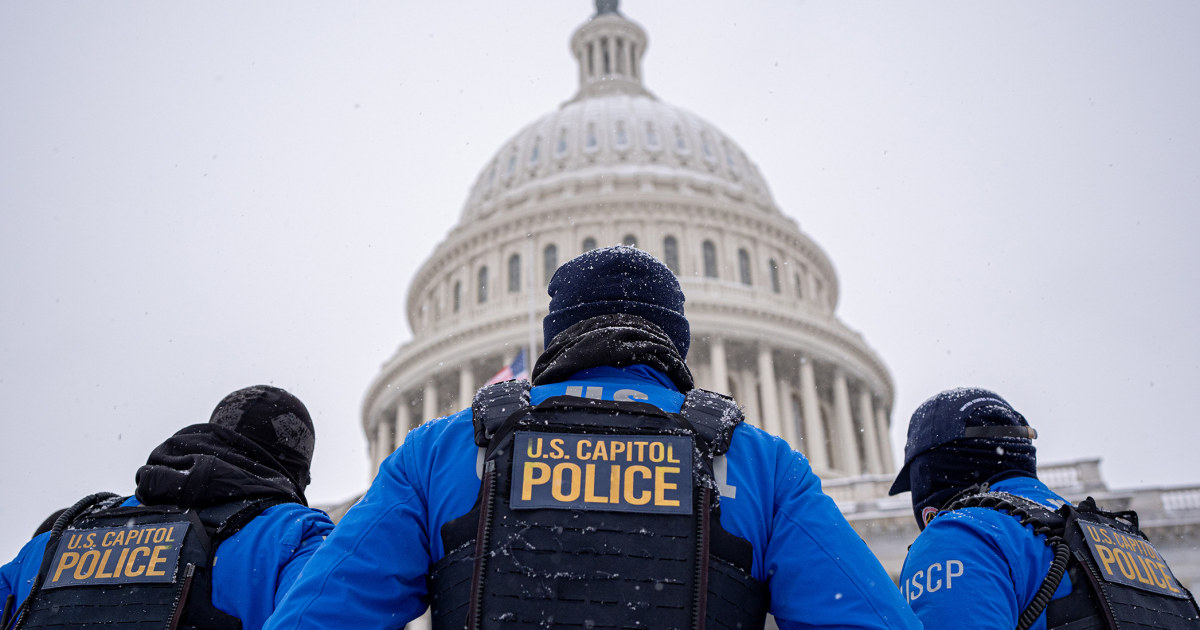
117 555
622 473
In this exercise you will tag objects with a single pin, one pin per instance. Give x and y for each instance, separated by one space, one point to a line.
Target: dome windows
621 136
681 145
773 267
457 296
590 143
481 286
589 244
535 152
514 273
671 254
744 267
709 253
630 240
560 147
652 142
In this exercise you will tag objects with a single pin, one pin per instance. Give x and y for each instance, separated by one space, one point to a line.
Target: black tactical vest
596 514
144 567
1118 579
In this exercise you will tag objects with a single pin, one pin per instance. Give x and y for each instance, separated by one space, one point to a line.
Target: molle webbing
591 568
181 600
1095 602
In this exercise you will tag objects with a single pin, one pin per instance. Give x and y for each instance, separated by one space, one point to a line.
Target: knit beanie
617 279
276 421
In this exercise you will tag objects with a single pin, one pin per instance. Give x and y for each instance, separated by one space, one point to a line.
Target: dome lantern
609 49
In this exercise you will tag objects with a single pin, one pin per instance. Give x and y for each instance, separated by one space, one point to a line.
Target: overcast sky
202 196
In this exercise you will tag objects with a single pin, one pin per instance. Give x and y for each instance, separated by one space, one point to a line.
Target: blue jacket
254 567
371 572
979 567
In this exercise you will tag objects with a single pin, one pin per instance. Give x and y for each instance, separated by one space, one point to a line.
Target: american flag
519 368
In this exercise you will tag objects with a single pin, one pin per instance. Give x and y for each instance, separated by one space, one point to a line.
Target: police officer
999 549
230 490
611 494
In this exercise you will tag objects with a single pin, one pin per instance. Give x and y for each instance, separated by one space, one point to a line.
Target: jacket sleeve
16 577
370 572
958 573
819 571
258 564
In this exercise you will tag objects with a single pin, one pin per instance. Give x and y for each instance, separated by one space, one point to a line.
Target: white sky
202 196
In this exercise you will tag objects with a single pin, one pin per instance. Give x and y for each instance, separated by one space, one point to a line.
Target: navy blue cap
955 414
617 279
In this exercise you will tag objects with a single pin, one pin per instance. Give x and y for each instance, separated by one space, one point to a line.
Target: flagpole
532 324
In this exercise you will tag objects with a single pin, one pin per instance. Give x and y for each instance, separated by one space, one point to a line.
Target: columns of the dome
769 397
814 428
866 419
787 417
885 440
747 387
466 386
403 421
429 408
720 377
847 438
383 442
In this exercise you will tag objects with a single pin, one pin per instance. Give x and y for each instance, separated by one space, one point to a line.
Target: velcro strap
714 417
495 403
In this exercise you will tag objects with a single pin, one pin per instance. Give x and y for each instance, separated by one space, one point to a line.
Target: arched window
457 295
549 261
799 286
744 267
536 151
514 273
482 285
710 259
671 254
629 240
774 275
589 244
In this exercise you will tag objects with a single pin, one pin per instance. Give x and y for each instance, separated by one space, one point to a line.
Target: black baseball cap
955 414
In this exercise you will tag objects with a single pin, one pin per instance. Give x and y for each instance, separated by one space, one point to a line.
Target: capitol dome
615 164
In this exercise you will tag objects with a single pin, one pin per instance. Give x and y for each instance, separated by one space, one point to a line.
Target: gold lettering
103 562
120 570
614 484
661 486
107 541
1124 563
84 570
616 448
1166 576
601 450
529 479
671 454
66 561
74 540
1148 564
129 571
556 445
656 454
538 453
581 449
1133 559
155 560
589 485
160 534
641 451
1106 557
556 484
636 499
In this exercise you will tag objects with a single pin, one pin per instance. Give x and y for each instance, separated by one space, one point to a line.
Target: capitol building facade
615 164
